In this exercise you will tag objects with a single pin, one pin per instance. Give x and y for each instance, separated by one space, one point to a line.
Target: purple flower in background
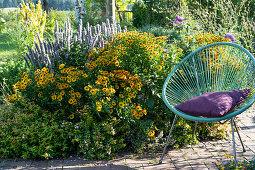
231 37
178 20
165 50
195 28
224 163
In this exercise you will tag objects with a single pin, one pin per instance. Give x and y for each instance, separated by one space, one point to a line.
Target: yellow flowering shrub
33 19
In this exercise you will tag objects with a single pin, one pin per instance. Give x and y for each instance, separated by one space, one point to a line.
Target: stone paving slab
202 156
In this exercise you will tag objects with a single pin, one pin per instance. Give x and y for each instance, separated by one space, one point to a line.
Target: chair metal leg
233 136
194 132
239 137
168 139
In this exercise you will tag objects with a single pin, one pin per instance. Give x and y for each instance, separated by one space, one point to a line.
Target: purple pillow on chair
213 104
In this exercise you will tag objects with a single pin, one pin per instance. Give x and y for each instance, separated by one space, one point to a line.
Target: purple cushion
213 104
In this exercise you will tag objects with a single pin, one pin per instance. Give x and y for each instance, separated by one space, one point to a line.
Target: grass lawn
7 48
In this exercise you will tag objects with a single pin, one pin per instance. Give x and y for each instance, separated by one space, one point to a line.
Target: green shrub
29 132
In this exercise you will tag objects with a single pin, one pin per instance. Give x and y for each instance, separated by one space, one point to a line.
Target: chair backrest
215 67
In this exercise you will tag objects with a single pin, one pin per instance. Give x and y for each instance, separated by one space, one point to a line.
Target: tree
45 5
110 9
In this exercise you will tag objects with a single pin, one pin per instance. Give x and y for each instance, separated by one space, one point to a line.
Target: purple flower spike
165 50
195 28
231 37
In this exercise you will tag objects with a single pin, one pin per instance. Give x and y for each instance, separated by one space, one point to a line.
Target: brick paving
201 156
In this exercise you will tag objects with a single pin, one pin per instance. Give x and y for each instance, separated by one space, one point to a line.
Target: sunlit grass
7 49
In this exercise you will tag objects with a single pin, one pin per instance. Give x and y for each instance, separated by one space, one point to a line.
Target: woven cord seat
212 68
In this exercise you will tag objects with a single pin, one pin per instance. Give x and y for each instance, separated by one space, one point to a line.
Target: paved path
201 156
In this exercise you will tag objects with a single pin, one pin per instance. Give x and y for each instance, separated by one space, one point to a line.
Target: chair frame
227 117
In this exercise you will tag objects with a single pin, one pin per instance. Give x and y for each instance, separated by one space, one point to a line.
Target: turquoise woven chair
215 67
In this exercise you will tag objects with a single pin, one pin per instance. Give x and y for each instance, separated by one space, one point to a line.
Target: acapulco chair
216 67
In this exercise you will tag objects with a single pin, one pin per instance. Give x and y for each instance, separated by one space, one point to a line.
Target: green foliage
31 132
154 12
2 24
94 15
140 15
10 75
61 17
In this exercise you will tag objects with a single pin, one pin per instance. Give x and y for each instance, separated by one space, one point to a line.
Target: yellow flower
151 133
85 75
137 117
71 116
59 98
78 95
128 100
8 98
37 71
40 94
134 95
63 78
150 57
62 93
113 103
247 164
73 79
117 63
227 156
93 91
141 114
159 67
218 164
98 103
156 128
61 66
86 88
14 97
128 89
139 108
46 155
121 104
99 108
52 80
121 95
244 156
133 112
53 97
70 101
152 137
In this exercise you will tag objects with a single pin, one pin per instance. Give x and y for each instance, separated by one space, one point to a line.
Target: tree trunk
46 6
110 9
77 12
118 8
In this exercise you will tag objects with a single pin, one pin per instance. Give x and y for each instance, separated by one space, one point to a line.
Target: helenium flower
231 37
